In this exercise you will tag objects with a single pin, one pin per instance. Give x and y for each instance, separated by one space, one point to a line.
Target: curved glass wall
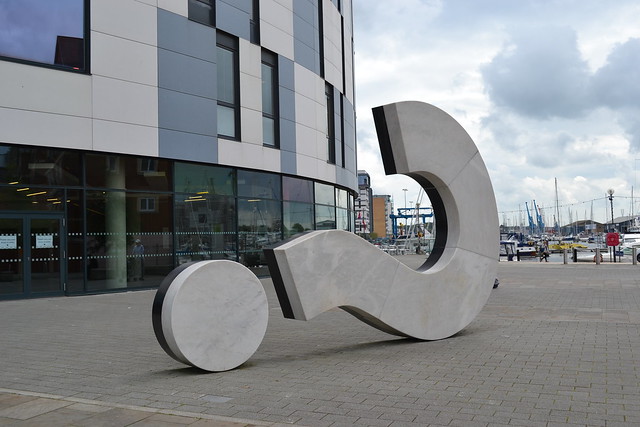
128 221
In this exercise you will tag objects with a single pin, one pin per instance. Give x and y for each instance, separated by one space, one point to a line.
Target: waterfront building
382 210
364 205
139 135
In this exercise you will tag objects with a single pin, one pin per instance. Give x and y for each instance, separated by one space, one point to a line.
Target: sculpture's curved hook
321 270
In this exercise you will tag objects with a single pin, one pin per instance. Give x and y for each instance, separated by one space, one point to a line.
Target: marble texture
321 270
211 314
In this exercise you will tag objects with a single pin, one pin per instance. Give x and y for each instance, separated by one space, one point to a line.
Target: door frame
26 218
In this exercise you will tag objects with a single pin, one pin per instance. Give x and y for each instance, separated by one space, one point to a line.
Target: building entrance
31 255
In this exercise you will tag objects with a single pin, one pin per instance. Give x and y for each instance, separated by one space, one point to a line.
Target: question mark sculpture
320 270
325 269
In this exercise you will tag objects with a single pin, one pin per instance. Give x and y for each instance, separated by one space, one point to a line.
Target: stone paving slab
555 345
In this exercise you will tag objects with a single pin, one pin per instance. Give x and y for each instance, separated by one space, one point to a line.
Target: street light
405 197
610 192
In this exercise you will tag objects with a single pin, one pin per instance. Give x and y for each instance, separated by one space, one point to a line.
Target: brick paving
555 345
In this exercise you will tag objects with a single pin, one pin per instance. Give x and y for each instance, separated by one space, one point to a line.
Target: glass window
44 31
205 227
203 11
296 189
127 248
254 22
342 198
325 217
203 179
126 172
325 194
259 185
270 116
39 166
342 219
259 225
75 241
226 75
297 218
228 86
330 130
226 121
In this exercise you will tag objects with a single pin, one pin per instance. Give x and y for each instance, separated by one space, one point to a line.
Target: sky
547 89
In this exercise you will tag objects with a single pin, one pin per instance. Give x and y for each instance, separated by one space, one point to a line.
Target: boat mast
557 209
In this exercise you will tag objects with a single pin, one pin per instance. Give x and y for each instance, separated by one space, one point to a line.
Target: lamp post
610 192
405 197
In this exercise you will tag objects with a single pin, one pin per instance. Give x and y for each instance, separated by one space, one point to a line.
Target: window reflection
132 173
296 189
259 184
259 225
297 218
115 258
205 227
35 166
44 31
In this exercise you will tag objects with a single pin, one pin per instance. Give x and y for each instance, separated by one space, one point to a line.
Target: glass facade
101 222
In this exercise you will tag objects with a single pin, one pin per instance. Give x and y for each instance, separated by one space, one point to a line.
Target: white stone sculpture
210 314
213 314
321 270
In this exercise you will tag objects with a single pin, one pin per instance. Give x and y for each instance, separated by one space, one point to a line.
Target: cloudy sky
546 88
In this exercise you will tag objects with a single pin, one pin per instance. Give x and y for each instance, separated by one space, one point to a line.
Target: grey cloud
617 83
540 74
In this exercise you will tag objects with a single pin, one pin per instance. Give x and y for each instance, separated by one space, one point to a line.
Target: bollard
575 255
564 256
634 255
597 256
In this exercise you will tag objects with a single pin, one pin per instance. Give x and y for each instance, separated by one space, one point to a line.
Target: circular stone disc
215 315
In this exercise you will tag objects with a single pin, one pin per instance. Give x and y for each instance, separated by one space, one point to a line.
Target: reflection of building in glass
202 130
364 204
69 52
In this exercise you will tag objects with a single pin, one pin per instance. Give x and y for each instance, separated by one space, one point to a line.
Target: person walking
138 260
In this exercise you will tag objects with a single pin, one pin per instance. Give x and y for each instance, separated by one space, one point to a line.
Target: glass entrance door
11 256
30 256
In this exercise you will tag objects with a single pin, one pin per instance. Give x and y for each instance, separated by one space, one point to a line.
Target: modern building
138 135
364 205
382 210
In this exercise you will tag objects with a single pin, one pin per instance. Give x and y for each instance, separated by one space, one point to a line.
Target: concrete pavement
555 345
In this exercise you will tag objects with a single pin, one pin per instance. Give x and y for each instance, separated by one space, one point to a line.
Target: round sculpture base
211 314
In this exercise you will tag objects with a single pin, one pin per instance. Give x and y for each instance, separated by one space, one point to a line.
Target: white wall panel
306 138
276 26
251 92
332 44
306 111
178 7
326 172
44 129
308 84
125 138
250 58
125 18
126 102
40 89
124 59
234 153
307 166
251 122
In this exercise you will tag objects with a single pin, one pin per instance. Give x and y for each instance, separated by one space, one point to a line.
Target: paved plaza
556 344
